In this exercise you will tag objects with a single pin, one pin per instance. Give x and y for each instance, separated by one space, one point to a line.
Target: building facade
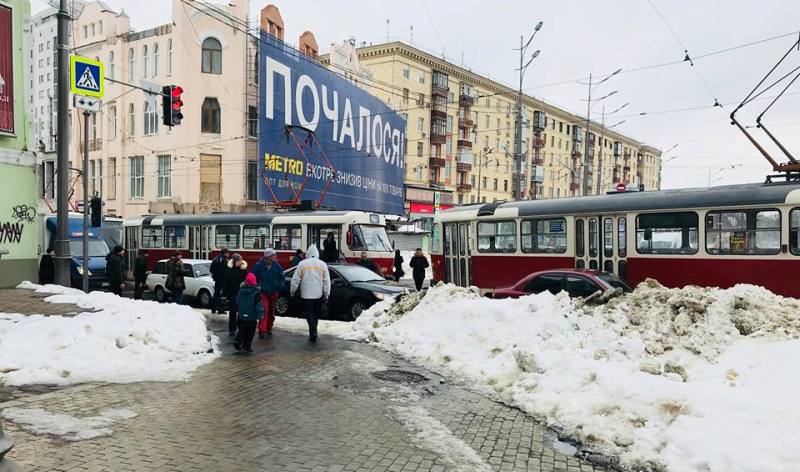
460 136
19 224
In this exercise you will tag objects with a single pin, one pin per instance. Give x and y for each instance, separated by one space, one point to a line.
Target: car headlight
379 295
80 271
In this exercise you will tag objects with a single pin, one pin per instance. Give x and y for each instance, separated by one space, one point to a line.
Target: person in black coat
398 266
47 268
329 251
139 274
237 271
114 270
419 263
369 264
219 267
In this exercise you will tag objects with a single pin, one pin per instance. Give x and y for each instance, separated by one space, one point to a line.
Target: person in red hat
251 311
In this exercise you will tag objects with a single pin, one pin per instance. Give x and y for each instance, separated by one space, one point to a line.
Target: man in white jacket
314 282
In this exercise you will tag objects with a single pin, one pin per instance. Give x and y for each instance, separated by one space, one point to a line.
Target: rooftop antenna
411 40
387 30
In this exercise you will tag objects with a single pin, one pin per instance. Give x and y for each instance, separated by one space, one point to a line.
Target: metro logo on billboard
6 72
359 163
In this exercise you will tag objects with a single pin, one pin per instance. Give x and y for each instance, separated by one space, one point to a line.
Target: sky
582 37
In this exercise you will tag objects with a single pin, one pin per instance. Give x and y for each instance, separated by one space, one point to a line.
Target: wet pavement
292 406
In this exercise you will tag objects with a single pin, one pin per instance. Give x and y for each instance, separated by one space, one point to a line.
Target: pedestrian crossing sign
86 76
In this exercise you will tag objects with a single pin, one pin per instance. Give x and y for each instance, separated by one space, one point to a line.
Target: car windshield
614 282
97 248
356 273
372 238
202 269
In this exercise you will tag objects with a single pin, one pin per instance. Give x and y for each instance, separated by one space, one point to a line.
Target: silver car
196 274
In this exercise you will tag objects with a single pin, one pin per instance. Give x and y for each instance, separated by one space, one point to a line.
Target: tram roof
232 218
703 197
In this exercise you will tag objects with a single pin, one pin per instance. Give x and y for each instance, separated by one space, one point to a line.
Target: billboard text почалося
359 135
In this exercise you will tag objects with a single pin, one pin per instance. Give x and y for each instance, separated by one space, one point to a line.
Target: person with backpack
313 281
237 272
419 263
175 283
219 267
251 311
269 275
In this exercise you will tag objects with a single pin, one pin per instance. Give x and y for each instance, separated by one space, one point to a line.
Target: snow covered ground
68 427
688 379
117 340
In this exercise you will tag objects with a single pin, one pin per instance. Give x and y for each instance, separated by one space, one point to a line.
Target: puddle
400 376
562 447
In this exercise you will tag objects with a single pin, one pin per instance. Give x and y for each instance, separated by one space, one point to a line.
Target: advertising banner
323 139
6 72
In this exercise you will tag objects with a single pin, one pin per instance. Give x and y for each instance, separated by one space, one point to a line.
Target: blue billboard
321 138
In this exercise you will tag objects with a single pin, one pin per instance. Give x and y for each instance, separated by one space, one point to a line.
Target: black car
353 290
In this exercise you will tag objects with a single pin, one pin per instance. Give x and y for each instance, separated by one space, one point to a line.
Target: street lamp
600 138
516 182
586 157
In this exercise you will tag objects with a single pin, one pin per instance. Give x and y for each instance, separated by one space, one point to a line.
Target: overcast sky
582 37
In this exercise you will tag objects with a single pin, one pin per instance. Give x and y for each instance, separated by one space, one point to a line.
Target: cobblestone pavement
293 406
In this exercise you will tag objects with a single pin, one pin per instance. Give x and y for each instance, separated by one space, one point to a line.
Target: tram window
151 237
593 237
667 233
608 237
544 235
255 236
437 231
579 242
743 232
497 236
175 236
227 236
447 230
622 236
794 231
286 237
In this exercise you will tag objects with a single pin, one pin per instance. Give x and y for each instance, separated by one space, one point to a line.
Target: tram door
200 241
457 254
601 243
132 248
587 243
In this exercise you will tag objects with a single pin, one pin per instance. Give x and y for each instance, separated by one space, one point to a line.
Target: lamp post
587 159
516 183
600 142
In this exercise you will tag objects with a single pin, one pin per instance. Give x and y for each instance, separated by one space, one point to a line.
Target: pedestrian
237 272
329 251
114 263
299 255
398 266
419 263
139 274
369 263
175 283
251 311
269 275
314 282
219 267
47 268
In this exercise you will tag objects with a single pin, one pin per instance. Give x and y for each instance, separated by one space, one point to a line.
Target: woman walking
234 278
398 266
419 263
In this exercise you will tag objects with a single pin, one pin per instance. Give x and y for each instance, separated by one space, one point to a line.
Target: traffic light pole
85 236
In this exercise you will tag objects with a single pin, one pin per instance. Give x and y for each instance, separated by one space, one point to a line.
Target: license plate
105 284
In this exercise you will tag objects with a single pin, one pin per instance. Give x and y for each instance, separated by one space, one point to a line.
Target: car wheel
161 295
204 298
355 309
282 306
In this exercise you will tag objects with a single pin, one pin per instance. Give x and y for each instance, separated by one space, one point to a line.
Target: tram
201 236
718 236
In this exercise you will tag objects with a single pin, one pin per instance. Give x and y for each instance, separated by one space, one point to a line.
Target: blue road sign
86 76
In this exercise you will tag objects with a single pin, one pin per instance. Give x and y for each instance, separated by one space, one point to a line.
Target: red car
576 282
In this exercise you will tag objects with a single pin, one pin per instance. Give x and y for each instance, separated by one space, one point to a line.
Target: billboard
6 71
321 138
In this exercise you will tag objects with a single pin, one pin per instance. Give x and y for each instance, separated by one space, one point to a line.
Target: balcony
465 100
464 161
439 108
464 187
626 168
465 122
439 84
464 144
537 160
438 137
538 143
436 162
94 145
576 153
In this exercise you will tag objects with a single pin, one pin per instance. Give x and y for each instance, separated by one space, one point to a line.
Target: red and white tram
716 236
202 236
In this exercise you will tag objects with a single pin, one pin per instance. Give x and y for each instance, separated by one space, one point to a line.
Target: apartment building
460 136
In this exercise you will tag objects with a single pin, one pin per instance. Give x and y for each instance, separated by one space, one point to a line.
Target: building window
420 124
447 169
164 176
111 64
97 177
505 185
419 149
406 72
210 116
483 183
405 95
495 185
94 31
252 121
100 27
497 236
48 179
421 99
112 178
137 177
667 233
544 235
743 232
131 64
252 180
85 32
131 120
144 61
150 118
422 77
212 56
169 56
155 60
112 121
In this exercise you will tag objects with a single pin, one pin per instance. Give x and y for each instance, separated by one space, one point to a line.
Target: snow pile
122 340
68 427
690 379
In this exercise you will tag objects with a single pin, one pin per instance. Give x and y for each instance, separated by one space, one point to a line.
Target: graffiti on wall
11 232
23 213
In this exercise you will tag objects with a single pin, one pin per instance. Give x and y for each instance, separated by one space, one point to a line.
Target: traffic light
171 105
96 211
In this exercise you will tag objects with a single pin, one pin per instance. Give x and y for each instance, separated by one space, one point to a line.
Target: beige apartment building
138 165
460 135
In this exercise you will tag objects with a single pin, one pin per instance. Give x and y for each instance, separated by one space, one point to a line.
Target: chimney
271 21
308 45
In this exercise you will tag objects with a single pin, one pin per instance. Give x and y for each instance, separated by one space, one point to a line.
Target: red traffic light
177 104
176 92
